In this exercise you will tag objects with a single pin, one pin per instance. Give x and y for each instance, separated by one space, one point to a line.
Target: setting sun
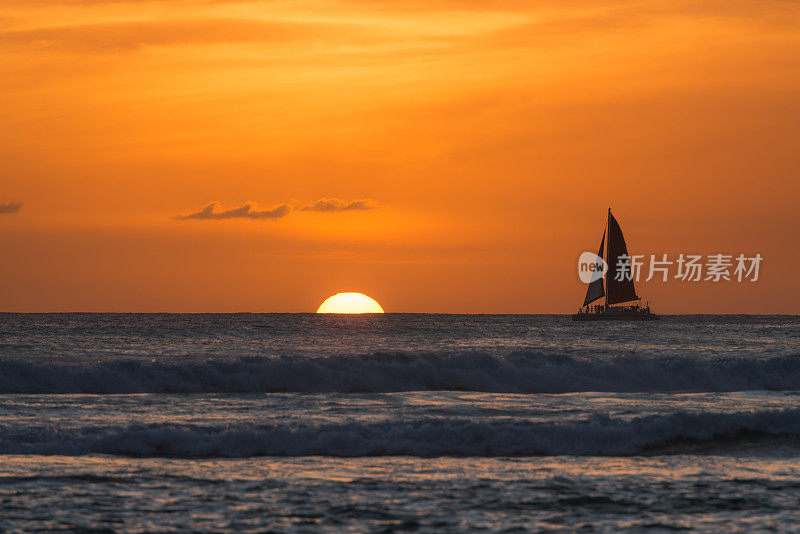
350 303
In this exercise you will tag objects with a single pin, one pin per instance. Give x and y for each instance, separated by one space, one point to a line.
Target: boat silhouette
618 287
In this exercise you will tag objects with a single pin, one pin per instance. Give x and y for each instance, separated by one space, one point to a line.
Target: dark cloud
334 204
10 207
246 211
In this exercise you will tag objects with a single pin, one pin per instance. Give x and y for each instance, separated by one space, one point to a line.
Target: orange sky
487 140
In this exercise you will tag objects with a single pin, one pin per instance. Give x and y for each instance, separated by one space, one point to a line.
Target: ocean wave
518 372
655 434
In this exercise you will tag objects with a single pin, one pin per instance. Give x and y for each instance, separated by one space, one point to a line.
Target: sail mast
608 250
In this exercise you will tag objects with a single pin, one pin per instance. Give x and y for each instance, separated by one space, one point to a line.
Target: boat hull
616 316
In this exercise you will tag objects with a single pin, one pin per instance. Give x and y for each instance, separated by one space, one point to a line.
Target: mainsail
595 289
618 290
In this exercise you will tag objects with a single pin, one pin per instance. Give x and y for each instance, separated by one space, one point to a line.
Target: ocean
398 422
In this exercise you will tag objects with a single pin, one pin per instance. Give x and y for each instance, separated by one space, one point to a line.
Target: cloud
133 35
328 205
247 210
10 207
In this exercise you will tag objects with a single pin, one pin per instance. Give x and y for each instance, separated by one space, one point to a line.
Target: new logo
591 267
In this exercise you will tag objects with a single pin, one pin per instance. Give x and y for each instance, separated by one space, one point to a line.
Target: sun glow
350 303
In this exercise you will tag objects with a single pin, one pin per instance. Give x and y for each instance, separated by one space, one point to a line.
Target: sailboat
618 289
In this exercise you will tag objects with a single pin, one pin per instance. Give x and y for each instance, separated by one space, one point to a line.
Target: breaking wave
655 434
518 372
